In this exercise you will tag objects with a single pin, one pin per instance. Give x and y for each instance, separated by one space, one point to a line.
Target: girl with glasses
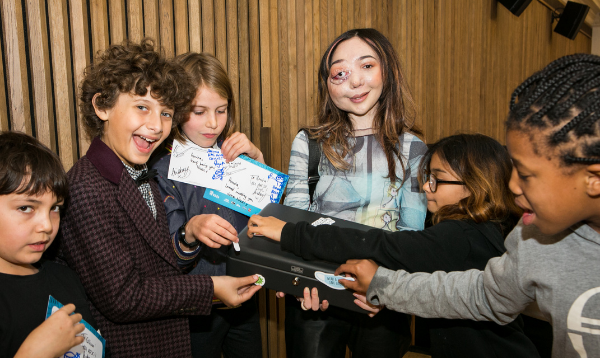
466 183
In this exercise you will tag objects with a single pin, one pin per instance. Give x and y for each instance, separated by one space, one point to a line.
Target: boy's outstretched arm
55 336
265 226
498 294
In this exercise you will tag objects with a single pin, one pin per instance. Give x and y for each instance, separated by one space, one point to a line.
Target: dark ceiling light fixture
515 6
570 19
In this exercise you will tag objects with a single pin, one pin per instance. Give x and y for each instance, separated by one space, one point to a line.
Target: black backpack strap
314 156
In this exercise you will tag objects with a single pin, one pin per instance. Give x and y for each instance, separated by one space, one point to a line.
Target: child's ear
593 180
101 113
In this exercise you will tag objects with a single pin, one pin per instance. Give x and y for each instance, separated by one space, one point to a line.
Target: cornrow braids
562 102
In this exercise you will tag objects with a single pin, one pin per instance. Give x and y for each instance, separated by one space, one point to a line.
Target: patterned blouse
362 194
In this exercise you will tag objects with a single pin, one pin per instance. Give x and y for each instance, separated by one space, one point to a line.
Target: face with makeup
355 81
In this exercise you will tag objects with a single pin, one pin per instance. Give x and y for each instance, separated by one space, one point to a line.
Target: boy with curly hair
115 233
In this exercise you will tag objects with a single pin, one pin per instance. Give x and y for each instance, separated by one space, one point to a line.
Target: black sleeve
444 246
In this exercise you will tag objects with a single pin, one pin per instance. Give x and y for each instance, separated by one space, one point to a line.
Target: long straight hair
206 70
395 114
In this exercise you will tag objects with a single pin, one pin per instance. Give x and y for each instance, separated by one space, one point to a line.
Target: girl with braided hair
552 259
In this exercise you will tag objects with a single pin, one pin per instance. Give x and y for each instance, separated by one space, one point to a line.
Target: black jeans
235 332
310 334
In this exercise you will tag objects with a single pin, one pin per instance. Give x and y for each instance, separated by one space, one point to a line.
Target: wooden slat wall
461 58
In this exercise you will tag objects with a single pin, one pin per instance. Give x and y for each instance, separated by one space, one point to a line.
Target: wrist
260 157
183 240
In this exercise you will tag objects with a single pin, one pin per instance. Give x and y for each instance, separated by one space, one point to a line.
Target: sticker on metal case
331 280
261 280
323 221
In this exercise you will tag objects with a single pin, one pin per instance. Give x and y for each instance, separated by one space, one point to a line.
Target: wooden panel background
462 59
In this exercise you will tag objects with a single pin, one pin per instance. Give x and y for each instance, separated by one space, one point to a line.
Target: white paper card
243 179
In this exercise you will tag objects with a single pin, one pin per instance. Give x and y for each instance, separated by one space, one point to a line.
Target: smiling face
135 126
552 198
29 225
208 118
445 194
355 80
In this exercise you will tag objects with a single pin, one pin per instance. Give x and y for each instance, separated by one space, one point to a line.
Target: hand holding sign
53 338
243 184
88 344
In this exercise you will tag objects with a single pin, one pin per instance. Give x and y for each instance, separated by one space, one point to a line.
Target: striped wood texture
462 59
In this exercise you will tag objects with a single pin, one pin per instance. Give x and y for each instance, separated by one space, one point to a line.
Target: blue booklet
93 345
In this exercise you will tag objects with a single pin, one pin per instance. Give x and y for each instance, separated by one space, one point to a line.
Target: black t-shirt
24 302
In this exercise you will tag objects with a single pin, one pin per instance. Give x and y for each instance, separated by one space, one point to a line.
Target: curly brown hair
133 68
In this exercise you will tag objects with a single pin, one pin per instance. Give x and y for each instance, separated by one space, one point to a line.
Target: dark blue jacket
182 202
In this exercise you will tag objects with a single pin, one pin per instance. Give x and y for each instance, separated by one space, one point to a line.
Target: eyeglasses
433 182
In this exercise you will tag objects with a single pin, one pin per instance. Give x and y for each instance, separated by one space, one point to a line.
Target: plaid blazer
139 296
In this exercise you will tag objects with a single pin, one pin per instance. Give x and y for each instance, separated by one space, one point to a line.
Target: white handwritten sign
93 344
243 184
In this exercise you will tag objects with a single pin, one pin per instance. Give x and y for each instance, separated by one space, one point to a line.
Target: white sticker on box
331 280
323 221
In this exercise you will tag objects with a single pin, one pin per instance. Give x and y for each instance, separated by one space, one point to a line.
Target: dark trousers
310 334
235 332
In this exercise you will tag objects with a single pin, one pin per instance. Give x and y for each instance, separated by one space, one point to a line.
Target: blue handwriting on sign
72 355
276 188
217 158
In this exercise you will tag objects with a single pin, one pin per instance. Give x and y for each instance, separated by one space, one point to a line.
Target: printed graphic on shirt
363 192
579 324
390 196
387 220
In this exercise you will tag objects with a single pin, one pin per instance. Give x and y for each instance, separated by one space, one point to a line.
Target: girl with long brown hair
369 154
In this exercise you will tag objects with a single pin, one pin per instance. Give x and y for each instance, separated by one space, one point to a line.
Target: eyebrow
199 106
436 170
34 201
28 200
358 59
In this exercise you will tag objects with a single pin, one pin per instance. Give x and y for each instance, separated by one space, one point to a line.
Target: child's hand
269 227
361 301
310 301
362 270
232 291
211 230
55 336
237 144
